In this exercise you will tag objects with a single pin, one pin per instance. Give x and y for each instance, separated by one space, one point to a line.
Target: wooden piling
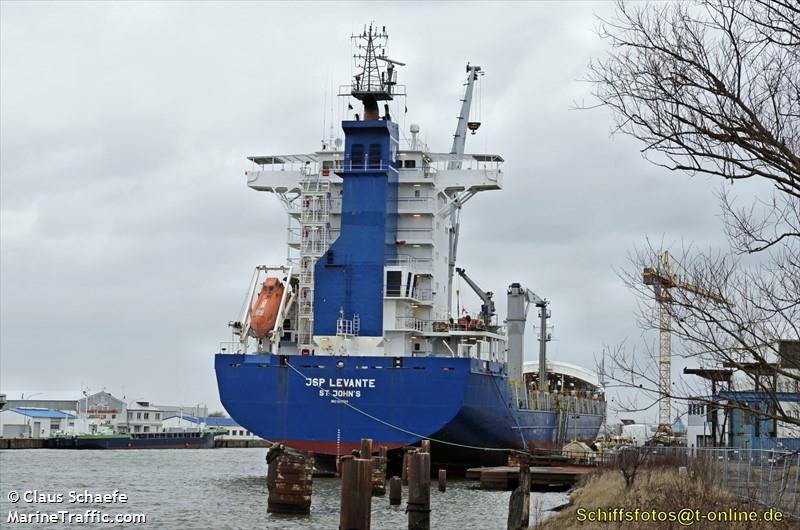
404 471
378 476
520 502
419 491
289 480
425 446
356 499
395 491
366 448
442 480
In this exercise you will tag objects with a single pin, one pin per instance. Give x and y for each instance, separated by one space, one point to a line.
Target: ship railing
420 294
312 234
469 162
312 184
348 327
423 295
374 85
350 166
429 171
469 322
413 324
316 248
305 164
315 216
231 347
438 326
415 234
415 204
411 262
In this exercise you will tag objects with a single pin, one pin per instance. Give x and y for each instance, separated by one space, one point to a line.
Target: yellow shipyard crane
662 280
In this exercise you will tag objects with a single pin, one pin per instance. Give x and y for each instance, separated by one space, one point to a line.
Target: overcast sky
129 235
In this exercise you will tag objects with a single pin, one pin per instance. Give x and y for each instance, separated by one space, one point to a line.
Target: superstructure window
357 156
374 156
393 283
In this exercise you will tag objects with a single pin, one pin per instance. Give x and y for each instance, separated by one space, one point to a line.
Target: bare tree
713 88
628 461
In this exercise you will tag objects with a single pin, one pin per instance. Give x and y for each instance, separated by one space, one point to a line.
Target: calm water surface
219 488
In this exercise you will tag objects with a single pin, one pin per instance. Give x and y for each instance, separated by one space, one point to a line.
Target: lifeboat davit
265 311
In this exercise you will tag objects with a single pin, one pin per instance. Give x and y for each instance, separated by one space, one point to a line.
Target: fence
769 478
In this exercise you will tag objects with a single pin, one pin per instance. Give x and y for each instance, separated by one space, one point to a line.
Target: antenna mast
373 83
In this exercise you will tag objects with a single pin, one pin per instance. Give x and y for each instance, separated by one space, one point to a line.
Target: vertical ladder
563 424
314 241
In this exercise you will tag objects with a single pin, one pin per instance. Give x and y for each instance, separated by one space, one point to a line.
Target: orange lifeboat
265 311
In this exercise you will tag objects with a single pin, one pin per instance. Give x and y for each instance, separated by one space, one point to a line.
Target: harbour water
218 489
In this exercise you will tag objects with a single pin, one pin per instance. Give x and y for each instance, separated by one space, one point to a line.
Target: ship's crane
662 280
459 141
487 308
460 137
520 299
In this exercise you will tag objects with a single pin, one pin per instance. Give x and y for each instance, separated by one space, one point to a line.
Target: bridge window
357 156
374 156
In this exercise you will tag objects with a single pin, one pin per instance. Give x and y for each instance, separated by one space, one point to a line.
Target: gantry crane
662 281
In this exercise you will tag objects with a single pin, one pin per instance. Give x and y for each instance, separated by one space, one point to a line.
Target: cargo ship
356 336
154 440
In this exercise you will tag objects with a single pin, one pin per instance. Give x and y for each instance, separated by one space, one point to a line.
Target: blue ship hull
327 404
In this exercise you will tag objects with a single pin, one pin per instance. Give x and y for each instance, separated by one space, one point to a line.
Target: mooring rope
406 431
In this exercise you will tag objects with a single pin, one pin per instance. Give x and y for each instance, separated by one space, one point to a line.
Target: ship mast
373 83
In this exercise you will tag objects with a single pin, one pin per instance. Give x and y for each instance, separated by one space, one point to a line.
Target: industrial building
27 422
745 398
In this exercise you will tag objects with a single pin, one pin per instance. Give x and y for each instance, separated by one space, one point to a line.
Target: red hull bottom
335 448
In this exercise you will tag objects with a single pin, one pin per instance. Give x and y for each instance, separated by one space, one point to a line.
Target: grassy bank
660 488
